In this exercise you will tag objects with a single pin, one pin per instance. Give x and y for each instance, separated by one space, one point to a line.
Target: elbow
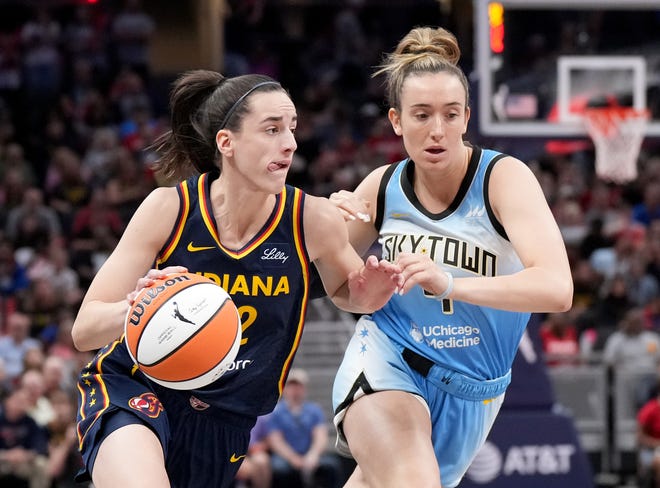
562 297
79 340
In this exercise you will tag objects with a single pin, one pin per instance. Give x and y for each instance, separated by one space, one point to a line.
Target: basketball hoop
617 133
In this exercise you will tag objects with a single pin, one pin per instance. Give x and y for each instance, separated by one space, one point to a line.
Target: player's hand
151 277
350 206
375 282
419 269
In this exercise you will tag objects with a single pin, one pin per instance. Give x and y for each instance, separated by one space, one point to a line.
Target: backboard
540 62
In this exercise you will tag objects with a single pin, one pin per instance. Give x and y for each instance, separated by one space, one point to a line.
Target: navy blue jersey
268 279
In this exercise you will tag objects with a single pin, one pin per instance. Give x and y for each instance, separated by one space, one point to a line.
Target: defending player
424 377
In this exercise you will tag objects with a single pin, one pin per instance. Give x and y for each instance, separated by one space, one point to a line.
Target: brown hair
422 50
203 102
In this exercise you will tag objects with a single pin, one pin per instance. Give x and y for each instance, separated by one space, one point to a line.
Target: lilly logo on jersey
150 295
274 254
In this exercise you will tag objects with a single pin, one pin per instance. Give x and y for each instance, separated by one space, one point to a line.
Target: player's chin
274 186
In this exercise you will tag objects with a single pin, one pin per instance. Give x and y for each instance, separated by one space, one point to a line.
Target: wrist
449 289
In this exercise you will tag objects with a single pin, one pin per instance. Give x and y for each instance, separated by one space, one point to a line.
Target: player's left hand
151 277
378 279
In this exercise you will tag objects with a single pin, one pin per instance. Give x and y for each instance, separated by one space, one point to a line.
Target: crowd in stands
79 112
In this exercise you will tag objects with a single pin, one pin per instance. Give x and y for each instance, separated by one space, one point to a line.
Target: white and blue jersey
467 241
456 357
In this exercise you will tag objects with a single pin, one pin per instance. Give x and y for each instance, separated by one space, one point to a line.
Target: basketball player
424 377
237 222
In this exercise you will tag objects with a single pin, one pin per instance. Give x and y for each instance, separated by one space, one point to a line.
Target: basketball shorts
202 445
462 410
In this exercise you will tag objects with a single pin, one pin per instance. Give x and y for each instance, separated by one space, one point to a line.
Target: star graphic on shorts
364 332
363 348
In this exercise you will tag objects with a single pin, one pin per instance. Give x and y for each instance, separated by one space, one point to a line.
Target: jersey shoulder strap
380 199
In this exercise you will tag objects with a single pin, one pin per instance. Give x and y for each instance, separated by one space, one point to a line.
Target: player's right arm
100 319
357 204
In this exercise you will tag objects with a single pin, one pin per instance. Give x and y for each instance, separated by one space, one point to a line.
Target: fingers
151 277
351 207
420 270
373 263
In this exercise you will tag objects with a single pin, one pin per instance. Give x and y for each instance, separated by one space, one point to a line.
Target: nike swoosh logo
192 248
235 459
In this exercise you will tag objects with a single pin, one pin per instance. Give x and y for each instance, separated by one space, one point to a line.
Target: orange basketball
183 332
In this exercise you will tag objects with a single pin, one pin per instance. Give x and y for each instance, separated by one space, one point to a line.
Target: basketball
183 332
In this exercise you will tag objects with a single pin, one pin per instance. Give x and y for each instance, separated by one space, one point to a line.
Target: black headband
233 108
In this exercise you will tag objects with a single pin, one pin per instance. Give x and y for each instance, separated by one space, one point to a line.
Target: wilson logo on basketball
149 296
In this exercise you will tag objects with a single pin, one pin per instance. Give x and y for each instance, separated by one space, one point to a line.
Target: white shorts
461 410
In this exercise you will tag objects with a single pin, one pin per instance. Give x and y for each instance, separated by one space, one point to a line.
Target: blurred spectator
649 208
13 157
98 212
633 349
53 265
33 359
610 261
594 238
70 189
44 223
603 202
15 343
129 185
652 314
23 445
132 29
642 285
84 38
62 347
43 305
100 159
586 285
255 471
57 375
559 338
11 76
12 187
648 439
95 232
5 383
39 406
42 64
128 94
571 221
607 312
298 439
14 280
64 459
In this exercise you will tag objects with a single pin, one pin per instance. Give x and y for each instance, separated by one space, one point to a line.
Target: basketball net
617 133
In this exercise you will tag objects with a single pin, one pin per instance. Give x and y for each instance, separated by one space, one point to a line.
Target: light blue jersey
467 241
455 357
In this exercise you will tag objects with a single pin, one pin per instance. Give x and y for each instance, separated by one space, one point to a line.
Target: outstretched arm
353 285
100 319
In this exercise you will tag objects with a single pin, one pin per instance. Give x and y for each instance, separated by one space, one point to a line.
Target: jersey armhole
184 208
491 215
380 199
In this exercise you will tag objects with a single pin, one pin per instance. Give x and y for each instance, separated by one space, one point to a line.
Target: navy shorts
203 445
